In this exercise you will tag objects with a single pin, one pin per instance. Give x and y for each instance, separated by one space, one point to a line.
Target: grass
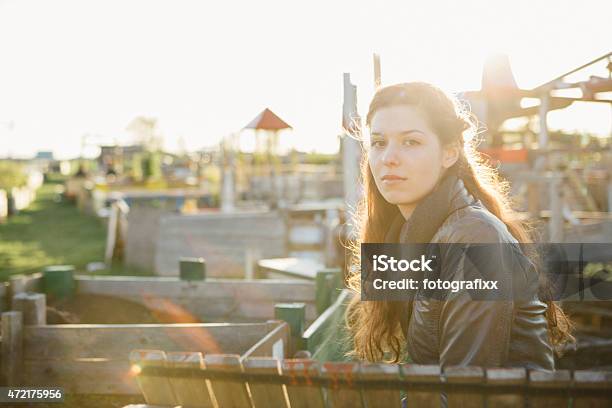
53 232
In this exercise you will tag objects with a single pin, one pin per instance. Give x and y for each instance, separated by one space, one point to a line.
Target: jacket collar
449 196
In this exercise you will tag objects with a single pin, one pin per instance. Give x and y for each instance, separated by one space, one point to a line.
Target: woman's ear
450 154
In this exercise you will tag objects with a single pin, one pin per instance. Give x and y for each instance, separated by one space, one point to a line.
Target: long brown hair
379 327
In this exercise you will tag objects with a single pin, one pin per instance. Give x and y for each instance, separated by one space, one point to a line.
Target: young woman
425 183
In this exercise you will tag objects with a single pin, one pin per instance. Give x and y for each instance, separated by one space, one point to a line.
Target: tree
145 132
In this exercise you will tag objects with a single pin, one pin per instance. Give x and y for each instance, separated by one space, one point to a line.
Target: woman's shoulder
473 224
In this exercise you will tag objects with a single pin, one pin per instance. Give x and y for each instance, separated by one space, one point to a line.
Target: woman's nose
390 157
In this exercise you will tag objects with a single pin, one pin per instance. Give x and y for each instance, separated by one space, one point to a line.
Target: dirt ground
97 309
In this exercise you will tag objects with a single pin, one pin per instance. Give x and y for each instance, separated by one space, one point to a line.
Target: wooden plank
301 268
265 310
593 380
95 361
4 292
418 374
339 395
189 391
465 375
272 290
274 344
12 347
380 398
327 322
16 284
155 389
33 306
506 376
559 380
144 406
83 376
114 342
225 309
228 393
33 282
266 395
301 391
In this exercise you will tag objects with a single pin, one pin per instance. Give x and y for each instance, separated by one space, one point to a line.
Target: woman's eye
377 143
411 142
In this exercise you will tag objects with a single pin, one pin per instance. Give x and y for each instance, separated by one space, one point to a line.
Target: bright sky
204 69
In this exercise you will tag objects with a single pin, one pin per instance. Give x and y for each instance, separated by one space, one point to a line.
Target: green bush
12 175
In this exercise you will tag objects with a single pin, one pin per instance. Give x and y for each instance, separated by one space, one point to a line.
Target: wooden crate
94 359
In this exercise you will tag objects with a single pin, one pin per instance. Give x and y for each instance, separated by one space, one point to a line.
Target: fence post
4 297
33 307
17 284
326 285
12 347
192 268
295 316
58 281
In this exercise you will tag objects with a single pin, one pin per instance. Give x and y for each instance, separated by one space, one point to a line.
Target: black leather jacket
462 331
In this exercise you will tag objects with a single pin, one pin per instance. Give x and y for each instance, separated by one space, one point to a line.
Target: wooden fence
196 380
218 299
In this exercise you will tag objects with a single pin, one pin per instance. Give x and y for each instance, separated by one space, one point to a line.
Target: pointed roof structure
497 74
267 120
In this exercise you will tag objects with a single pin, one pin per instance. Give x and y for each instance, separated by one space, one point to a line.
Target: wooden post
543 136
33 307
556 209
351 148
295 316
192 268
377 78
325 282
58 281
4 289
17 284
533 199
251 256
227 181
12 347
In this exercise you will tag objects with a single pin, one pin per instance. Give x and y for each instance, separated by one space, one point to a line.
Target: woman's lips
392 179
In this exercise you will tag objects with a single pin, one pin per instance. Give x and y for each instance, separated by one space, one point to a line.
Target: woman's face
405 156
